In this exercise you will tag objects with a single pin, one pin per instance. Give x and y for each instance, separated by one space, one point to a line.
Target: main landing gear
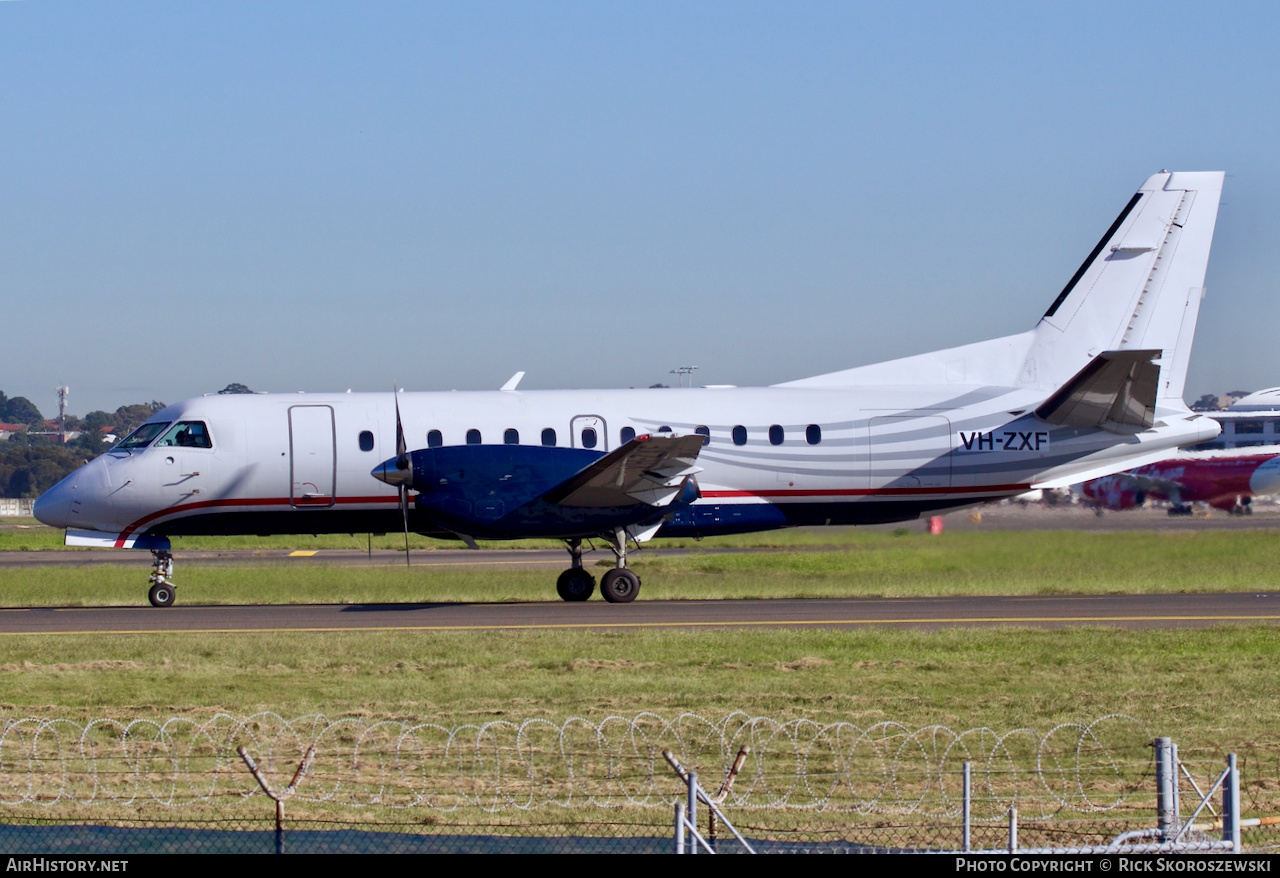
161 593
618 586
575 584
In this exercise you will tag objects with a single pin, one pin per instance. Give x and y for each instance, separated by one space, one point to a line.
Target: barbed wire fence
883 784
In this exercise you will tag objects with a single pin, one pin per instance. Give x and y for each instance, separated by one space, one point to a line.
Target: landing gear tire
575 584
161 595
619 586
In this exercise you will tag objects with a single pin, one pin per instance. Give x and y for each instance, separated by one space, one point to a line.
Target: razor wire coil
803 765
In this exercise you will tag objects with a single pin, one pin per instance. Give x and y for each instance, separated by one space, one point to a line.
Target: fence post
968 804
1176 767
692 808
1013 829
679 827
280 796
1231 805
1166 816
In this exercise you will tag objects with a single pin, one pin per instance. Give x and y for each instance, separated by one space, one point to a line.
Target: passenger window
813 434
511 436
549 437
588 438
435 439
186 434
473 437
366 440
775 435
705 434
627 435
739 435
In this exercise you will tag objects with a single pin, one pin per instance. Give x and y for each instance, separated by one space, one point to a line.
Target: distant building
7 430
1215 402
1251 420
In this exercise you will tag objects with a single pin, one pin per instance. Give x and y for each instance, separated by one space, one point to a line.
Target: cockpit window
186 434
141 437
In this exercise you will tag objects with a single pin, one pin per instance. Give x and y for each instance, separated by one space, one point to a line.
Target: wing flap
649 469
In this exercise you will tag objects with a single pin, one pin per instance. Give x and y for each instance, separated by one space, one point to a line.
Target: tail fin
1139 289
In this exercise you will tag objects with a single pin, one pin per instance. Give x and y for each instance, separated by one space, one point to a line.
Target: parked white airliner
1095 388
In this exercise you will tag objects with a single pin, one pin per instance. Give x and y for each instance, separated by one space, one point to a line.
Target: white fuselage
775 456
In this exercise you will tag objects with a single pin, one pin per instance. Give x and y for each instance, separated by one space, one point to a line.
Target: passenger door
312 456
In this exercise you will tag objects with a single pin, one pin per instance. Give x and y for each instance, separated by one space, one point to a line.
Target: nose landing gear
161 592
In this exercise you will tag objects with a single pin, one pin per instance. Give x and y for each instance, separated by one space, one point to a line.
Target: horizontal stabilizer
648 469
1116 390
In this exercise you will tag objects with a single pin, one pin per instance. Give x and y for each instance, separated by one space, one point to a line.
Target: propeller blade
402 447
404 514
402 464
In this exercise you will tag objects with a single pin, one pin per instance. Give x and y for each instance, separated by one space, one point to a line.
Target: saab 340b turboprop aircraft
1095 388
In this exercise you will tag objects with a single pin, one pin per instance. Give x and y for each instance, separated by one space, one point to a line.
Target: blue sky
325 195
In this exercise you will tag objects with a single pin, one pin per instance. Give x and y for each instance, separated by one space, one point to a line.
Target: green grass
872 564
1034 562
1197 685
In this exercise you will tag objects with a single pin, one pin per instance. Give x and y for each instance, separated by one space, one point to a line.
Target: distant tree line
19 410
28 470
33 461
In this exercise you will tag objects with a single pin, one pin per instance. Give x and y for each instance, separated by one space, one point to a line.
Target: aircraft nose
53 507
1266 478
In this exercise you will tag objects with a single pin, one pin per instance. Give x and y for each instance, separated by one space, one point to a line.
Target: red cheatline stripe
868 492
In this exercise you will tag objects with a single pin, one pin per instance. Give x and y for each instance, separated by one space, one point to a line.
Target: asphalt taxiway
1128 611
